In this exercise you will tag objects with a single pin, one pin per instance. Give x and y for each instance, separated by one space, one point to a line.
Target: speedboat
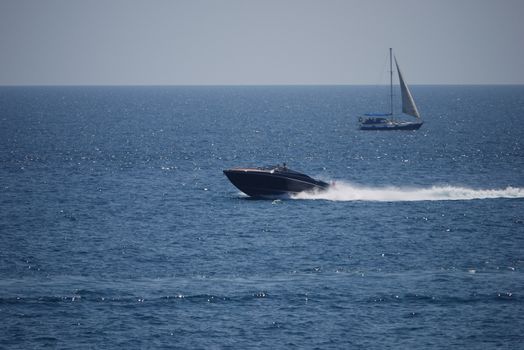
273 181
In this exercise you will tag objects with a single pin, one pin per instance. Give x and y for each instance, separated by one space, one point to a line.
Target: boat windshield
278 168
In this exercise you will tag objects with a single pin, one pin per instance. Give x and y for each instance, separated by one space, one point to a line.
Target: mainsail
408 105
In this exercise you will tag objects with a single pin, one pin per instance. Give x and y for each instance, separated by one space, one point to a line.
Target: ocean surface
118 228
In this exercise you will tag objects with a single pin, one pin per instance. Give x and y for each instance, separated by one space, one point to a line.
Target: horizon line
251 85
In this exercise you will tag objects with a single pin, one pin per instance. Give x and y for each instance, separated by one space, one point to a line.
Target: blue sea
118 228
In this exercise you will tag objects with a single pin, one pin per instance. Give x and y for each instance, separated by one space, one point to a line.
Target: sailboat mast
391 80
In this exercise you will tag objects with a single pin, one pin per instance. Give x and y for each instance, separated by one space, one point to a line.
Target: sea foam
345 191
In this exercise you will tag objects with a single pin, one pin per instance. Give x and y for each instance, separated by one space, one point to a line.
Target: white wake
343 191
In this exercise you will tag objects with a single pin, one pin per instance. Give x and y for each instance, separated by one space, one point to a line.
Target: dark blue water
119 230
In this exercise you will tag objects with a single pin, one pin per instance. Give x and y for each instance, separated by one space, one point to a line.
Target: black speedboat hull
275 182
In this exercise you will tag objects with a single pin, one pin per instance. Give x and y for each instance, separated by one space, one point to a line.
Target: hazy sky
179 42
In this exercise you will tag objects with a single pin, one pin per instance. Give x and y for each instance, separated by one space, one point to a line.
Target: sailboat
386 121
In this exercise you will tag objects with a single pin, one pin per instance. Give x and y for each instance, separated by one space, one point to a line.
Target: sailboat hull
392 126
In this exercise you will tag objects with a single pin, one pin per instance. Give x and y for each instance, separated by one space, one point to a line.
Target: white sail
408 104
